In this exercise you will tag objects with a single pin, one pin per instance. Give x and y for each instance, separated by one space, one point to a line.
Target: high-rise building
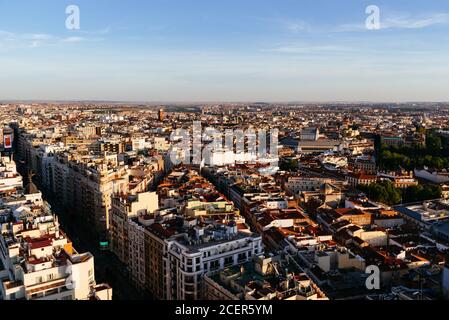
161 115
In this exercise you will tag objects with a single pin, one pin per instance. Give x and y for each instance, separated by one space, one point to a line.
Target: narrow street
108 269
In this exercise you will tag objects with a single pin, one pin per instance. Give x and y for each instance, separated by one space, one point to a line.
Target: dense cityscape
104 201
207 159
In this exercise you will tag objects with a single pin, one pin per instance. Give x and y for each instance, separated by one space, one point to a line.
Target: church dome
30 187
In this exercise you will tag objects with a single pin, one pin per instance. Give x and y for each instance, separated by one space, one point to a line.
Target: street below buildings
108 268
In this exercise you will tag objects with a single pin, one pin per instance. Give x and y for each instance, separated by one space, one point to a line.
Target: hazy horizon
37 101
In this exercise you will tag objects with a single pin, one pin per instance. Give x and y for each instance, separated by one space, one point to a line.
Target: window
189 287
228 260
214 264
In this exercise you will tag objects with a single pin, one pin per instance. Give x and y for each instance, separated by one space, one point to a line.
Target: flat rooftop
430 211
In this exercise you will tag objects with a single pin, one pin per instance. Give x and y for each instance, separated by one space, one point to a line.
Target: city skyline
174 51
223 158
350 202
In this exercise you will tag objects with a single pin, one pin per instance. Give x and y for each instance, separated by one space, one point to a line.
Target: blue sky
233 50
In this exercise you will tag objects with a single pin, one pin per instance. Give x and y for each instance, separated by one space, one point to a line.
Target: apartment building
38 261
189 259
123 208
170 255
10 179
263 278
41 264
84 183
296 185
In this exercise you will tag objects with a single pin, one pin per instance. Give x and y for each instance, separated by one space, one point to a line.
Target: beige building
124 208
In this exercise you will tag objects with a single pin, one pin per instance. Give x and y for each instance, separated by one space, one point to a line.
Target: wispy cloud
296 26
11 41
399 21
36 39
73 39
309 49
404 21
285 24
99 32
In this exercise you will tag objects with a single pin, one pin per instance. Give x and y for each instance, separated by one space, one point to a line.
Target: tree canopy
435 154
385 192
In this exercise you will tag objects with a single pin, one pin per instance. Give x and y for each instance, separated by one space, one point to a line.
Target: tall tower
161 115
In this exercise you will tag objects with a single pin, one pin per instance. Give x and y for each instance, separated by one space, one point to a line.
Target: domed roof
30 187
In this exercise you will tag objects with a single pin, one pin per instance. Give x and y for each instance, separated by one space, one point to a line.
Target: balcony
56 284
12 284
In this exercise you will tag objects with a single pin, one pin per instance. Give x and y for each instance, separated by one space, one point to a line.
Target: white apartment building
171 257
9 178
41 264
37 261
188 260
